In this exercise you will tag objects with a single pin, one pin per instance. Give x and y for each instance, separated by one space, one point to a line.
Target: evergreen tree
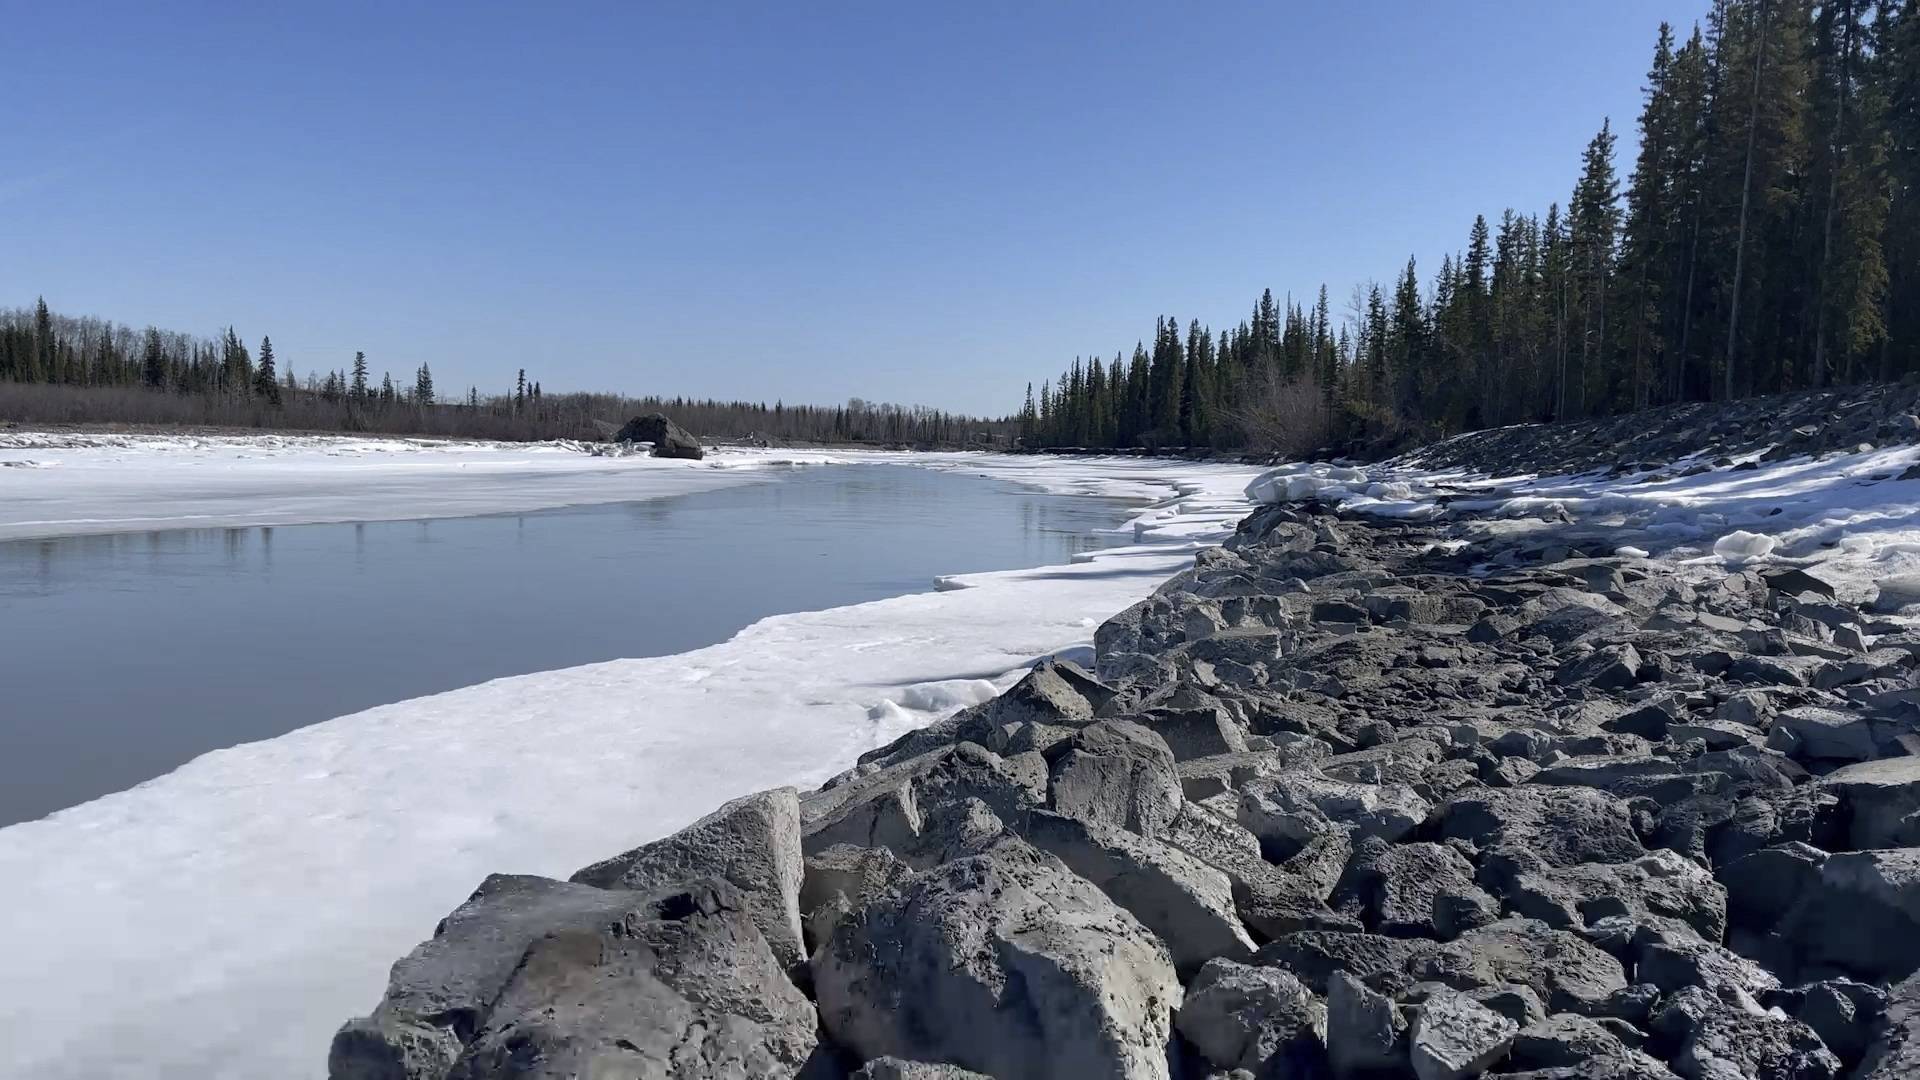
266 383
359 389
423 388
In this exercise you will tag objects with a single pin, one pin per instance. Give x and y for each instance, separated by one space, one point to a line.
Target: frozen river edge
218 920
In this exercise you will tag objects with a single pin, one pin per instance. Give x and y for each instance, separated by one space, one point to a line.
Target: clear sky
929 203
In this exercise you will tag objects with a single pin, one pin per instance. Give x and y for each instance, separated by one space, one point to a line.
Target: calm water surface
124 656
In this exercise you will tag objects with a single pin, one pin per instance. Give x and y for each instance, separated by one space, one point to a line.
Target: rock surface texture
1350 798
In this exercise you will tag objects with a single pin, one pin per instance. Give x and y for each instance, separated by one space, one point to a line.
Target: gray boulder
1661 883
1413 890
897 806
1366 1034
1567 973
1454 1037
1895 1052
1551 826
753 842
1255 1018
1288 810
1185 902
1006 964
438 995
669 439
687 989
1115 772
1863 917
1881 800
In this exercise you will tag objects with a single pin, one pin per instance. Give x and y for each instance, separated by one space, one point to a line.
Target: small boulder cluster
1347 799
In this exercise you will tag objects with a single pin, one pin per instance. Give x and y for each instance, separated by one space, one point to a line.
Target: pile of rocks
1781 426
1346 799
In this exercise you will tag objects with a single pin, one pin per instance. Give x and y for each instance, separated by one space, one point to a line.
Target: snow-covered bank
1855 514
65 485
220 920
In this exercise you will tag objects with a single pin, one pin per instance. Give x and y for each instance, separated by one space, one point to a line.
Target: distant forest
1768 239
60 370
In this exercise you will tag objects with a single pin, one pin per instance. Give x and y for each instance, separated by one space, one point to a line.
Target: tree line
65 370
1767 239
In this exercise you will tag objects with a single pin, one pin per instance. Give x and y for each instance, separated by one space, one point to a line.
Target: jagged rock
1197 732
1842 1012
1413 890
1566 972
1661 883
669 439
1289 810
1881 800
438 994
1729 1042
1674 962
893 807
1612 667
1255 1018
1006 964
1315 956
1115 772
1556 826
687 988
1185 902
1454 1037
1365 1032
840 879
1894 1053
1862 919
1563 1040
753 842
1813 732
1763 886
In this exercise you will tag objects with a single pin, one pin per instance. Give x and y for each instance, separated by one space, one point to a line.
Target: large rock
1366 1034
1566 972
669 439
1255 1018
1185 902
438 994
753 842
538 978
1881 800
1413 890
1115 772
899 806
1863 918
688 989
1895 1052
1550 826
1006 964
1289 810
1455 1037
1730 1042
1661 883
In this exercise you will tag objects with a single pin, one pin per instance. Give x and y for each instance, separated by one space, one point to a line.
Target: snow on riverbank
1851 514
65 485
220 921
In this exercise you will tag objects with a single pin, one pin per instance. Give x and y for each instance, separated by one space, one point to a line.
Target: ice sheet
221 920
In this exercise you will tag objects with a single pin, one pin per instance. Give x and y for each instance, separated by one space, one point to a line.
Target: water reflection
122 656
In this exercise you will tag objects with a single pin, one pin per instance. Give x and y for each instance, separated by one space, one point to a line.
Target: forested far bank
1766 239
61 370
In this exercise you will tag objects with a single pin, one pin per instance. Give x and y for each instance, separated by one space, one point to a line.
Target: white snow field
1848 514
222 920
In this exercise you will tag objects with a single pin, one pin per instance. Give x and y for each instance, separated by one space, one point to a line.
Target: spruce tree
266 382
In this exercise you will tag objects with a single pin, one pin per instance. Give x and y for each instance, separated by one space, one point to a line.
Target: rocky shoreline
1350 798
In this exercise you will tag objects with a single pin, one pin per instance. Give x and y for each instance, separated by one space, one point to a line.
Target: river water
123 656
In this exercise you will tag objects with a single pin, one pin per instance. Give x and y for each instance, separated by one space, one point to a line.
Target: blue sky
929 203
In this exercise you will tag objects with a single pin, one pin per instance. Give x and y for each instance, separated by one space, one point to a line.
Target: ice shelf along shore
219 920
